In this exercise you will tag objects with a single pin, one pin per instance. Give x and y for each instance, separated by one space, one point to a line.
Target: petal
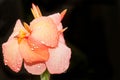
61 37
62 40
12 56
60 27
45 31
59 59
17 28
36 69
56 18
33 52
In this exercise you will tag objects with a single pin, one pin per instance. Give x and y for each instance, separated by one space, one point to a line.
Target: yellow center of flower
20 36
22 33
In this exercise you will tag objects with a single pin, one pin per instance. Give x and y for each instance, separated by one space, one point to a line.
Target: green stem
45 76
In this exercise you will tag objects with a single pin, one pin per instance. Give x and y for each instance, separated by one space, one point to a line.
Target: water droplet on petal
32 49
6 62
33 44
35 47
17 69
39 66
42 42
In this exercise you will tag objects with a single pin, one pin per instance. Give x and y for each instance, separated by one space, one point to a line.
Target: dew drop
42 42
17 69
38 66
35 47
6 62
32 49
33 44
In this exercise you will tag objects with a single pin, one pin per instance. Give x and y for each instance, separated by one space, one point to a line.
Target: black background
93 34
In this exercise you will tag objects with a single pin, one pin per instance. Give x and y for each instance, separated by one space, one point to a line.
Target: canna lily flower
39 46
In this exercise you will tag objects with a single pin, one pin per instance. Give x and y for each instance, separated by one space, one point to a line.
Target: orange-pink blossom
40 45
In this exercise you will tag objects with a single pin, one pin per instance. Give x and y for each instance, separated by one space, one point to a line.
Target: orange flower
41 45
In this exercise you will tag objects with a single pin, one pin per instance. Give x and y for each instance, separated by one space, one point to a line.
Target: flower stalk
45 76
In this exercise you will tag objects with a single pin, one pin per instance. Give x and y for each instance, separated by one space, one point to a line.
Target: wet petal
59 59
17 28
60 27
61 36
33 52
56 18
36 69
45 31
62 40
12 56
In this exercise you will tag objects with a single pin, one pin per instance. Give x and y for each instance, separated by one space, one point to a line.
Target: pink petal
62 40
59 59
36 69
60 27
33 52
45 31
56 18
12 56
61 37
17 28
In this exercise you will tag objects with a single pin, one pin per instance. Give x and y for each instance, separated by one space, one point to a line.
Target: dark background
93 34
